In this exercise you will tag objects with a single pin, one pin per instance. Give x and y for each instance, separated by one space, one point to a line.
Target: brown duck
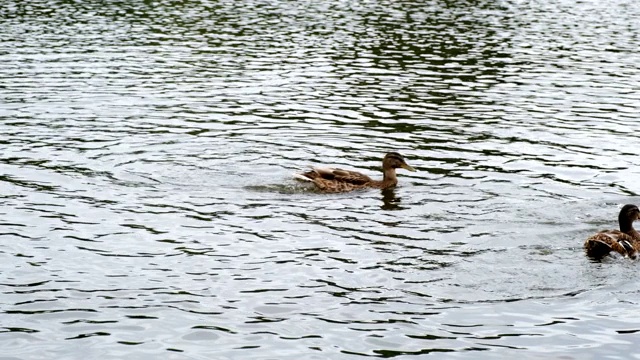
626 241
338 180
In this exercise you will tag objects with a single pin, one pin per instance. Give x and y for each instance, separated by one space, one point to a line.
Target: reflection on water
390 200
147 205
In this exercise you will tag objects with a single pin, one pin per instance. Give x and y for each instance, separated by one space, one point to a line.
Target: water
147 208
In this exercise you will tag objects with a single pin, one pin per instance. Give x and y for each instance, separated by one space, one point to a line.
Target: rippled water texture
147 208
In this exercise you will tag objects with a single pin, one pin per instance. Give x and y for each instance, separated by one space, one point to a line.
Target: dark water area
147 208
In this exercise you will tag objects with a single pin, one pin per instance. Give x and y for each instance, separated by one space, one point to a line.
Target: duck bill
408 167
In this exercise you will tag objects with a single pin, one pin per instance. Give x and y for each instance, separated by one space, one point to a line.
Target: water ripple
147 205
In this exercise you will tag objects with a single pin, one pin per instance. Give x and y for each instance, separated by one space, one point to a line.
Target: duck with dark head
625 241
339 180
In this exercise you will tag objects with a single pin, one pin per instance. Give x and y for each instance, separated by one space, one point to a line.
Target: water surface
147 207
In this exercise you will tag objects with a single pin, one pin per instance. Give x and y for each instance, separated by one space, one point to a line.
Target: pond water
147 207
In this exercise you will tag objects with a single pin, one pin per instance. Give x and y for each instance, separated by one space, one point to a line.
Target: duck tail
302 177
306 176
597 248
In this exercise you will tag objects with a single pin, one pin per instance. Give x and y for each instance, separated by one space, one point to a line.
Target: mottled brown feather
602 243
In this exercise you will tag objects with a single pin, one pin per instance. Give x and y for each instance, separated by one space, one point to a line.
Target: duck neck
389 178
626 225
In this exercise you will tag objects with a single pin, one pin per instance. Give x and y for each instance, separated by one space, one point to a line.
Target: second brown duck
625 241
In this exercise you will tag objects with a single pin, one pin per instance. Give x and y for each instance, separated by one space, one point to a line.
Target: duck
333 180
625 241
